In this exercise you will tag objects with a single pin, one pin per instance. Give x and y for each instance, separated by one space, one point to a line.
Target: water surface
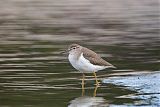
34 33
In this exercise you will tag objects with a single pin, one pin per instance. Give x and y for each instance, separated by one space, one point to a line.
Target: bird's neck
75 55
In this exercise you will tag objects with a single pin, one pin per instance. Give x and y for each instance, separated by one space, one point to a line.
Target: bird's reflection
88 101
94 93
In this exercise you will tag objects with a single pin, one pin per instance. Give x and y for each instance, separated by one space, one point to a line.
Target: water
34 33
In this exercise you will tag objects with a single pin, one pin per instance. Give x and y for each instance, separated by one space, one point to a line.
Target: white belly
83 65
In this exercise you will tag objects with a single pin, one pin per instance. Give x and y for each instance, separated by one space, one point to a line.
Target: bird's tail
111 66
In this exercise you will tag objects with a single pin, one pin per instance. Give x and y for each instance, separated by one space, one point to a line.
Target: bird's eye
74 48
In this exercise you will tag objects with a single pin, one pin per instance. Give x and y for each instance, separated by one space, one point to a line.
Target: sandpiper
86 61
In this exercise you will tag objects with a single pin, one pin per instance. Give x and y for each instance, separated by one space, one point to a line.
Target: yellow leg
83 91
97 83
95 91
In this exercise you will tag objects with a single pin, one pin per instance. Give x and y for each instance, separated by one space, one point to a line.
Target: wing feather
94 58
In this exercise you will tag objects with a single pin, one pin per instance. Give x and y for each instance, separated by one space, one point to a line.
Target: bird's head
73 48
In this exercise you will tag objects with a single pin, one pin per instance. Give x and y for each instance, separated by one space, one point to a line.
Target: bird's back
94 58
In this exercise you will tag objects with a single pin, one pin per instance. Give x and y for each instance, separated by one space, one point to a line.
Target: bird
86 61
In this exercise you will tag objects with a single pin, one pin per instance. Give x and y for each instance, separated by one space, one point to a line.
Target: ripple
33 33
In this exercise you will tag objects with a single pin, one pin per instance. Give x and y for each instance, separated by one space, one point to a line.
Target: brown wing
94 58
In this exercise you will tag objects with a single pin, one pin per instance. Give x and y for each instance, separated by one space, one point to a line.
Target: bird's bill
65 52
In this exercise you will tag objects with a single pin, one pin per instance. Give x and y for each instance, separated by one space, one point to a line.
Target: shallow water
34 33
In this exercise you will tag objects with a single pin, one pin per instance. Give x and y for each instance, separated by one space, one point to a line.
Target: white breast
83 65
